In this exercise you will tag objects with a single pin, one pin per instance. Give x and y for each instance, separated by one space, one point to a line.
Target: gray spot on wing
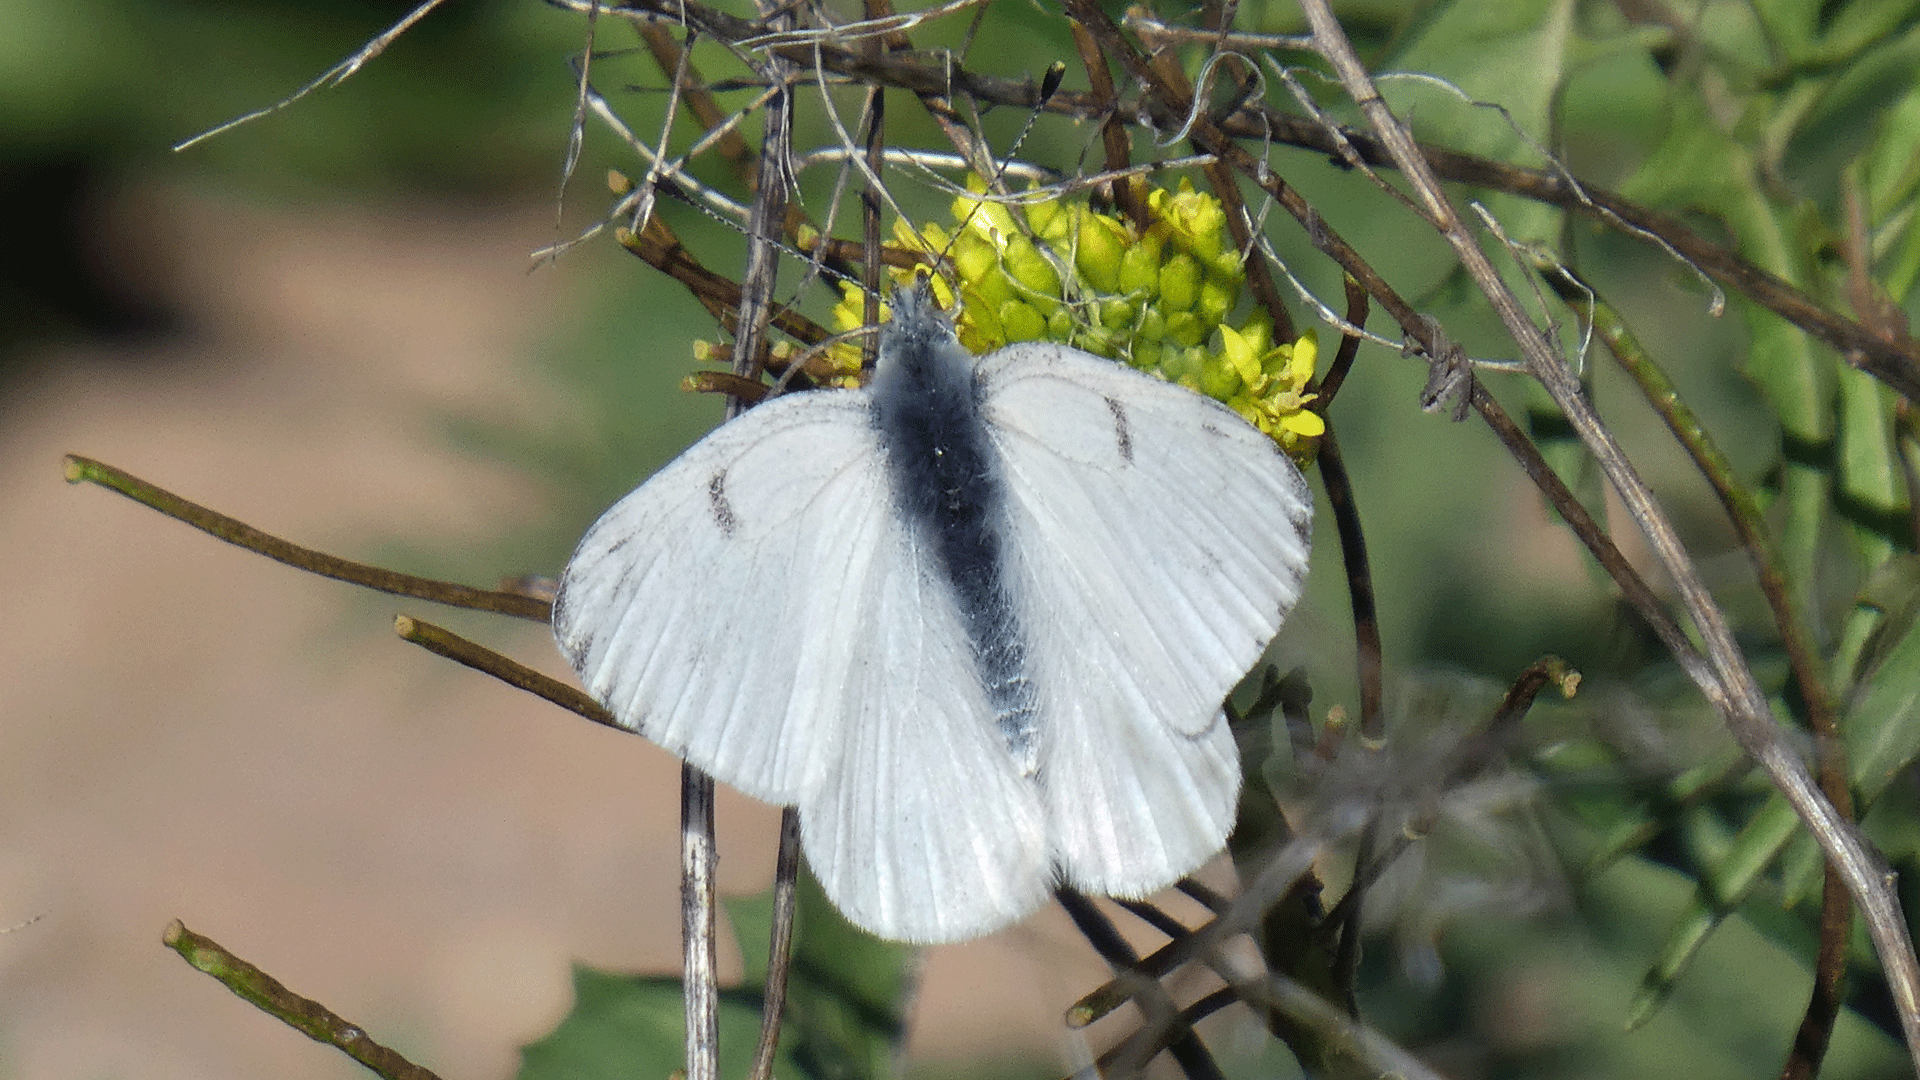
1303 527
723 515
1122 430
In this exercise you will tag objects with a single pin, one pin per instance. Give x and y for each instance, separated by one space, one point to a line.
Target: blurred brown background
304 324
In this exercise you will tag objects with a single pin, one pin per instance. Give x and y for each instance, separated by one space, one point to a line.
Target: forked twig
1164 1028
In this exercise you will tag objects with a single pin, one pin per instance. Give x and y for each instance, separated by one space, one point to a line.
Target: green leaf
845 1015
628 1026
1872 478
1882 740
1513 54
1715 897
1883 724
1843 117
846 1001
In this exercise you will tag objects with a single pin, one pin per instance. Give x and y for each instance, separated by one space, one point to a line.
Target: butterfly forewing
716 609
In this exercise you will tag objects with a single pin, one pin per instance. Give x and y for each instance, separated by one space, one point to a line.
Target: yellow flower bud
1100 247
983 332
1216 299
1220 381
1032 269
1179 283
1259 335
1139 271
1021 322
1226 265
1098 342
1184 329
1046 217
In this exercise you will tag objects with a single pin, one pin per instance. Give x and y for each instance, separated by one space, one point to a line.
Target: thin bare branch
446 643
240 534
786 874
333 76
308 1017
699 966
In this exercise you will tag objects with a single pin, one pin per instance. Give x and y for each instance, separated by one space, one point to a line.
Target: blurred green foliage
471 105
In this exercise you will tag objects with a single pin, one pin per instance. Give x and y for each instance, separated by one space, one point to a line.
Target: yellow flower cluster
1157 299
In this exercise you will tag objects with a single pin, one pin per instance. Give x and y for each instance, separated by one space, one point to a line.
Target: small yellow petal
1239 353
1306 355
1306 424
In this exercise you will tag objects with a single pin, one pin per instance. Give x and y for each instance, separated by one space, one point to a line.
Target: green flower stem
1742 510
310 1018
1803 655
240 534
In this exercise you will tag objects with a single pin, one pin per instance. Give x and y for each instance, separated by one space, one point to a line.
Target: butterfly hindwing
1157 541
928 831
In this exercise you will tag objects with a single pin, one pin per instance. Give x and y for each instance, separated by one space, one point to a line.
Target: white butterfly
976 620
